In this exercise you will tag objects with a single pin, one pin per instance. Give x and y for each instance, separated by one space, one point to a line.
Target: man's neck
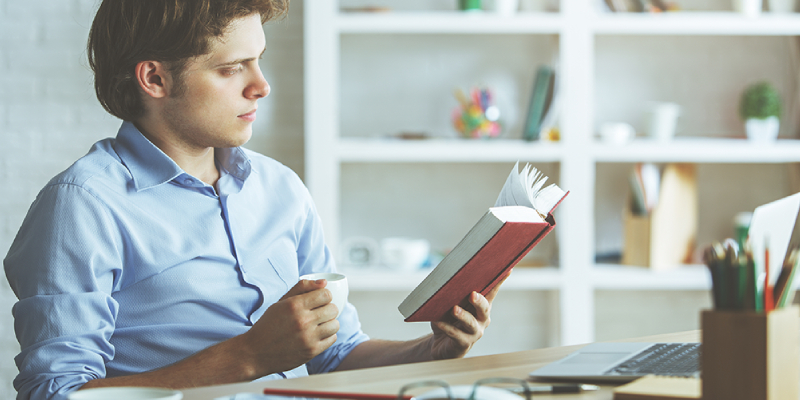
198 162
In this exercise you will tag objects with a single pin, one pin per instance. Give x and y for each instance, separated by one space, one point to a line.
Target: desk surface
388 380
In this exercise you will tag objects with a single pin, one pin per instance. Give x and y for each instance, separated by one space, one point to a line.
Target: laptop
623 362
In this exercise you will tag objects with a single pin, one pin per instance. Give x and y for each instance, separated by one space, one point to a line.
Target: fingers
491 295
312 295
463 329
483 305
305 286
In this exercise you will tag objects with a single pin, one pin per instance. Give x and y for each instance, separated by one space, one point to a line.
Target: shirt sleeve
62 266
315 256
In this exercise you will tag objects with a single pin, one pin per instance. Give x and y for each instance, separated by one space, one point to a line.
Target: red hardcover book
494 245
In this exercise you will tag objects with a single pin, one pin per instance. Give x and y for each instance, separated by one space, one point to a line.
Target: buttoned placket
228 185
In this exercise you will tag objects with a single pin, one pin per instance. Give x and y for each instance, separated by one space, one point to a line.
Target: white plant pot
506 7
750 8
781 6
762 130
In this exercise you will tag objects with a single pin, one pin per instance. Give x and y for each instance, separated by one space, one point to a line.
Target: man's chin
241 138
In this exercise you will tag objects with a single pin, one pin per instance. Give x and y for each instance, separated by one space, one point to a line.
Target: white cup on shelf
750 8
782 6
662 120
506 7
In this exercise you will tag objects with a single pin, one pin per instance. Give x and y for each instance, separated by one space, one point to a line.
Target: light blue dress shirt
125 263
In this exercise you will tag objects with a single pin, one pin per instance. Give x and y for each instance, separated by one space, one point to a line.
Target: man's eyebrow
241 60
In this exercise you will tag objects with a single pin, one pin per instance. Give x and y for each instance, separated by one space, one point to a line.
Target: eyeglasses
511 389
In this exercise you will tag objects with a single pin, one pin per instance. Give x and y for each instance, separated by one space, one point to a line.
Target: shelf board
455 22
696 23
602 277
376 279
700 150
671 23
446 150
622 277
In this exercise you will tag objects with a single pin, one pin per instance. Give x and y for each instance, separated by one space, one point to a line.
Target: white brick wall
49 116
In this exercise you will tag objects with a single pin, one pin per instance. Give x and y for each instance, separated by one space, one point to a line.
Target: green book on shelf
536 107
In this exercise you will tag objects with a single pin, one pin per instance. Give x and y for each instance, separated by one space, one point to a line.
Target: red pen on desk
769 297
333 395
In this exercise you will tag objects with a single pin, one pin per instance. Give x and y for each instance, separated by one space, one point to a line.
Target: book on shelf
636 5
551 106
542 87
653 387
521 218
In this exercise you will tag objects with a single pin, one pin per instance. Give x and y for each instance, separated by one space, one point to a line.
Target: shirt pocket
283 263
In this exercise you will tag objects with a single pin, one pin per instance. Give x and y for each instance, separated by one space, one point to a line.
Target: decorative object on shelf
359 252
662 118
760 108
661 233
476 117
750 8
412 135
469 5
617 133
404 254
782 6
506 7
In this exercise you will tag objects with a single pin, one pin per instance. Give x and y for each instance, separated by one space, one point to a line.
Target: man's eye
232 71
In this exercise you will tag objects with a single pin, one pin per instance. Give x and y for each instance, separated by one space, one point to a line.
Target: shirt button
189 181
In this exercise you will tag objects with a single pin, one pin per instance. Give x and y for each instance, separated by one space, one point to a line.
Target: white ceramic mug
663 120
126 393
337 284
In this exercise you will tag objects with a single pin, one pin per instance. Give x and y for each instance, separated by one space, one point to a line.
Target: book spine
482 273
536 107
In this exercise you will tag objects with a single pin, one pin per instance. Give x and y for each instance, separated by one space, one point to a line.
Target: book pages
525 188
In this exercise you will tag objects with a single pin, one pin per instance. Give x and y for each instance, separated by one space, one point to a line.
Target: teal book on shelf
536 107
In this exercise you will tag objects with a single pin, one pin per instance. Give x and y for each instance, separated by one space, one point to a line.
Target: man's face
216 103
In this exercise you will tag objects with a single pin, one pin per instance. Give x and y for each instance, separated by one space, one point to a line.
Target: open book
521 217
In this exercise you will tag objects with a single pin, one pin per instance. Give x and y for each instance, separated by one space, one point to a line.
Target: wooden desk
388 380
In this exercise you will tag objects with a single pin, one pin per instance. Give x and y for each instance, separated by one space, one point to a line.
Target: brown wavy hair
126 32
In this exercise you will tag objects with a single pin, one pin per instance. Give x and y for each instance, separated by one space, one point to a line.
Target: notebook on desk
623 362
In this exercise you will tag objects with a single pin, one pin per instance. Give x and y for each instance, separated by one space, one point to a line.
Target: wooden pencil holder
750 356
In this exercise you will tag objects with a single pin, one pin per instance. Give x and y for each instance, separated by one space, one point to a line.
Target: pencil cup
750 356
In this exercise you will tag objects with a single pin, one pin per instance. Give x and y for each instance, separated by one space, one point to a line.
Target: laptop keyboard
672 359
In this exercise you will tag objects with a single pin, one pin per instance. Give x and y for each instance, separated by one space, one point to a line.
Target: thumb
305 286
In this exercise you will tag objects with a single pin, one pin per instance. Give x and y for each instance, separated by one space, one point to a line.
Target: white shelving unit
577 155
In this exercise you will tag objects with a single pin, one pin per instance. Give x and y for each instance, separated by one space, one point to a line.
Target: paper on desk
773 222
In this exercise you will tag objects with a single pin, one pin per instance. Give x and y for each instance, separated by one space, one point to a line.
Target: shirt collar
150 167
234 161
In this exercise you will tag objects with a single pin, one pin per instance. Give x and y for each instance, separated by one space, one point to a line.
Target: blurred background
404 171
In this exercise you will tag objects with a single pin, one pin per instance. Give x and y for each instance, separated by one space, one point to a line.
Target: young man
169 256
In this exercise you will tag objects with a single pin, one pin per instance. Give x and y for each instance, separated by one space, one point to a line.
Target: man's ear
152 78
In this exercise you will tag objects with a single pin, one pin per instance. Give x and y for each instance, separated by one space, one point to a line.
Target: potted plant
760 108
